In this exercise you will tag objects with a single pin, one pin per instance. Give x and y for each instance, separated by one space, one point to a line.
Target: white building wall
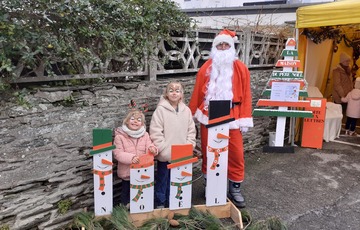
193 4
219 22
249 20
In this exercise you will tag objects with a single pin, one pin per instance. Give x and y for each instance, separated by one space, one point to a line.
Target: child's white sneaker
353 134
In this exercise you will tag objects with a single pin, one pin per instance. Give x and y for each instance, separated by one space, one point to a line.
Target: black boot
235 194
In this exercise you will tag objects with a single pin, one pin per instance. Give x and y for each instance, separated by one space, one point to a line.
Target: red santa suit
241 110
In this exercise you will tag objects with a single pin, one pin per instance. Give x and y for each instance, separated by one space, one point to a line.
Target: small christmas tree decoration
285 88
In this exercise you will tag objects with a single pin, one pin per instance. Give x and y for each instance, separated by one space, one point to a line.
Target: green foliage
41 33
120 218
21 98
273 223
156 223
4 86
64 206
68 101
4 227
246 218
88 221
204 220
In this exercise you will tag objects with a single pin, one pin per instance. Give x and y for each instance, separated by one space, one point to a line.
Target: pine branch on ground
273 223
246 218
120 218
205 220
155 224
87 220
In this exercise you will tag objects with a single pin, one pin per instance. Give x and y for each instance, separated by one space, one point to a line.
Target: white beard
220 83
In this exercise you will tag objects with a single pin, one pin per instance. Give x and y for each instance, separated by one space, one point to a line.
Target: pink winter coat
126 148
353 106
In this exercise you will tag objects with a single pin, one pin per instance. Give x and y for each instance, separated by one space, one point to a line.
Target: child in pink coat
131 140
353 109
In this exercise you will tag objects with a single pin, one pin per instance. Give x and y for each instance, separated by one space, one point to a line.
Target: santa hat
219 113
102 141
344 57
227 36
145 161
357 83
181 155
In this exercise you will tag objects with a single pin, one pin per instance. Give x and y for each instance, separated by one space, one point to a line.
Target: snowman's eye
138 170
185 167
178 168
145 170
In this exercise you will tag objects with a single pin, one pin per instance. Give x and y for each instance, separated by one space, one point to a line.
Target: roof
328 14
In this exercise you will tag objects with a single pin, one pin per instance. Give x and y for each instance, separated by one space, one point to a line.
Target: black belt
235 104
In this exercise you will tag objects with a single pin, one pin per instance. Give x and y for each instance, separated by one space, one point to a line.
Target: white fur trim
240 181
200 117
242 122
247 122
223 38
234 125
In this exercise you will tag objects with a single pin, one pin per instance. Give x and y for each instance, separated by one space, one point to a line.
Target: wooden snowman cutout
142 185
181 176
217 152
102 170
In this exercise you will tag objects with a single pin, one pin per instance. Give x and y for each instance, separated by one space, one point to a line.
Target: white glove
244 129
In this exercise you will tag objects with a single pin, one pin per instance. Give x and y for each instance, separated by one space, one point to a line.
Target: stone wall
44 156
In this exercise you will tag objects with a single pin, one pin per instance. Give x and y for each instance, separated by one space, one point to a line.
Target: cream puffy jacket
169 127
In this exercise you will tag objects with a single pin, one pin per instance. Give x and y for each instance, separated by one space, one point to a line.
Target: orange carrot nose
145 176
222 136
106 162
183 173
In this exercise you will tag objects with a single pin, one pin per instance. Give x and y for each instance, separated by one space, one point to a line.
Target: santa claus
224 77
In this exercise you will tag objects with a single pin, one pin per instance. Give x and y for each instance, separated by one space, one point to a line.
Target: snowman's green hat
102 141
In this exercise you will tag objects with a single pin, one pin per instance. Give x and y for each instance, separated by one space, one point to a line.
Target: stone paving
308 189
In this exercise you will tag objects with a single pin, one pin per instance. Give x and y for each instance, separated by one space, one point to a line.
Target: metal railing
191 50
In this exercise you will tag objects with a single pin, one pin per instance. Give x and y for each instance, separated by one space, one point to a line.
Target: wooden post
152 64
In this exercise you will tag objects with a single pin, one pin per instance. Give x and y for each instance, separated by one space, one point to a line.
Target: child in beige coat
171 123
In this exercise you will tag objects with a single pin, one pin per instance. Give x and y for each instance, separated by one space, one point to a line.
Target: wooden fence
190 52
